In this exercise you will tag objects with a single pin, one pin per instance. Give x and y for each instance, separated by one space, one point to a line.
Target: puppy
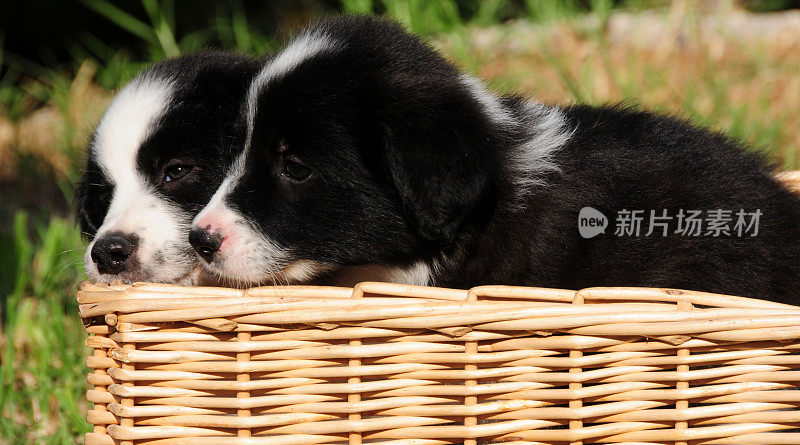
155 159
367 155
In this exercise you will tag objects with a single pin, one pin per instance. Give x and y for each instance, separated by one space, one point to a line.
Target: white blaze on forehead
135 208
246 254
302 48
126 125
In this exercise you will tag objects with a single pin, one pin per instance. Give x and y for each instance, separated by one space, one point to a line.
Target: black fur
408 166
199 128
621 158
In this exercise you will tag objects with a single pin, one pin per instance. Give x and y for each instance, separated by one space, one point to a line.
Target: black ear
92 199
436 135
81 205
441 165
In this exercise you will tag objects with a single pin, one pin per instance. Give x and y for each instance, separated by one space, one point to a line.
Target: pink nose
208 223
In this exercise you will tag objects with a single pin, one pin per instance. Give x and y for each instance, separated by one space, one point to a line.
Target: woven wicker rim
399 364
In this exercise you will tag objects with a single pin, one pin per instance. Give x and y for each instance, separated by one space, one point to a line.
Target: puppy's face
156 157
348 160
301 200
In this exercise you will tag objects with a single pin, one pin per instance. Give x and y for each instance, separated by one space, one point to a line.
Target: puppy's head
155 159
363 147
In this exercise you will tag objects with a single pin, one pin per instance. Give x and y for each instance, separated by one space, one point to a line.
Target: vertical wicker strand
576 424
243 378
471 348
682 405
127 422
354 397
355 437
100 352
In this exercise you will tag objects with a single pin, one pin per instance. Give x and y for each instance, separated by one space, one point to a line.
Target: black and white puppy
368 155
159 153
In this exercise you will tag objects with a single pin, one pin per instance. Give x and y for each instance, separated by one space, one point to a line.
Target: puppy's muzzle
205 243
112 253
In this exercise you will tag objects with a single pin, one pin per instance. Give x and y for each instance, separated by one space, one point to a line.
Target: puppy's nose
205 243
111 252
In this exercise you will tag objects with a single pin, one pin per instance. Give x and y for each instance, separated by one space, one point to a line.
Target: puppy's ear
80 204
441 167
92 198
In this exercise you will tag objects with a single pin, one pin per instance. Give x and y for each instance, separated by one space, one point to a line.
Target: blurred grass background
731 65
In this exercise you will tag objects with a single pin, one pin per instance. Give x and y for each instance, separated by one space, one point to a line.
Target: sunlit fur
183 110
419 174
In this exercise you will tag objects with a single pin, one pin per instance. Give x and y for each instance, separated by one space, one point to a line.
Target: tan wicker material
397 364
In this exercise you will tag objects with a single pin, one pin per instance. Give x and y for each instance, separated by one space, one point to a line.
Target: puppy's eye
176 172
296 171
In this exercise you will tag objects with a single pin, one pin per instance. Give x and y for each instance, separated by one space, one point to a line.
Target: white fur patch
529 161
246 256
546 126
126 124
302 48
491 104
162 252
418 273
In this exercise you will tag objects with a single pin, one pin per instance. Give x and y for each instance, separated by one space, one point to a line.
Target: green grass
42 374
566 58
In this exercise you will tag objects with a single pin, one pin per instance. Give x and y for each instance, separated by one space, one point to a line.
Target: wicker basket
397 364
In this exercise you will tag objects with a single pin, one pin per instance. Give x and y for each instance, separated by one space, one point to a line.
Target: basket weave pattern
396 364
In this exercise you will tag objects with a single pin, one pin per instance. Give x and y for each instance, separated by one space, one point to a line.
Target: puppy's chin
194 275
200 276
309 272
228 274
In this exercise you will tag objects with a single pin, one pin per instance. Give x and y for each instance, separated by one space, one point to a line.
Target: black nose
205 243
112 251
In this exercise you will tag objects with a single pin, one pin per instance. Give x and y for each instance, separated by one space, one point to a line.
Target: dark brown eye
176 172
296 171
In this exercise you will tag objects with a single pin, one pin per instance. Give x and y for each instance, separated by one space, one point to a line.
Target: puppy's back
621 160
